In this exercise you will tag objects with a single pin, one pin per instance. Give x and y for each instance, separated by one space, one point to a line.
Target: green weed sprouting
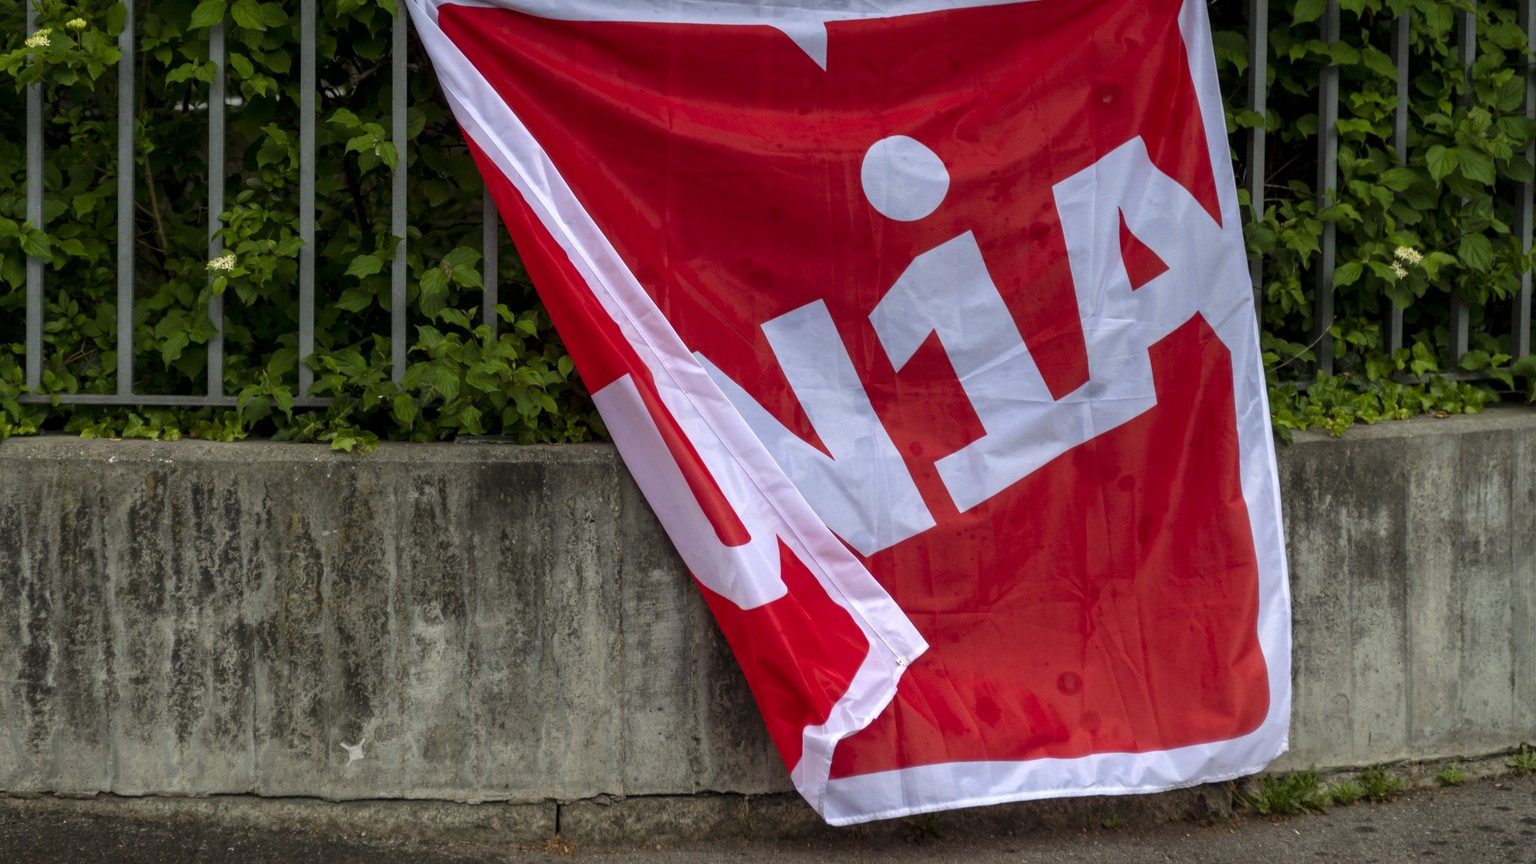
1523 761
1286 794
1379 784
1451 775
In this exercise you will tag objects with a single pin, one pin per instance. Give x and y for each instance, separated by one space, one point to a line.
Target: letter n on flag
926 328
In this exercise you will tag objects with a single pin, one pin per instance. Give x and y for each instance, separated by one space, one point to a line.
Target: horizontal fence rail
492 234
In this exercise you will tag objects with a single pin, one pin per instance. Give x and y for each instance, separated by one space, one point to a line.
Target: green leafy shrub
1415 234
462 378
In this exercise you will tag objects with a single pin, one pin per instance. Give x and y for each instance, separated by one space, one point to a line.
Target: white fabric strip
804 21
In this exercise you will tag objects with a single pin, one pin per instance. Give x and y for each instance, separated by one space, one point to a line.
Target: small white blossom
1399 270
75 24
1408 254
223 262
39 39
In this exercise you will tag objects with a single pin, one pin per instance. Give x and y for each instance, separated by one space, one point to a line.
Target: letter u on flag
926 328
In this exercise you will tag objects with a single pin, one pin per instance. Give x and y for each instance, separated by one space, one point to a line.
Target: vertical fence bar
125 205
1525 220
308 33
34 358
397 204
1400 57
216 92
490 243
1461 315
1327 179
1258 102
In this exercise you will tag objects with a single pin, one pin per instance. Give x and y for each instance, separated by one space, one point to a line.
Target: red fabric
1099 605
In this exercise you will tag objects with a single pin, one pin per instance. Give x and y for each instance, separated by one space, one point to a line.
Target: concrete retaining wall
496 623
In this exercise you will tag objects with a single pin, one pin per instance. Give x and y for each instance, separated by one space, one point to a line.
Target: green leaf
355 299
34 242
443 380
405 410
1379 62
461 256
1308 10
247 14
434 283
279 62
429 337
184 72
1476 165
1441 161
117 18
1511 94
1476 253
173 345
467 277
470 420
272 15
1398 179
207 14
282 362
364 266
482 378
455 317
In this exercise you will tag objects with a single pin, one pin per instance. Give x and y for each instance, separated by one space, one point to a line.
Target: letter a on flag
926 328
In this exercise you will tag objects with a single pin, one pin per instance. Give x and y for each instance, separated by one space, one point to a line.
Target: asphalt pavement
1485 820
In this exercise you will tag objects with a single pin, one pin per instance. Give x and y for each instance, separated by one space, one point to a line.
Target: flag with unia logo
926 328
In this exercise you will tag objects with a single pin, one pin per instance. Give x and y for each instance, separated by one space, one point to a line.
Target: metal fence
1328 171
1525 206
215 396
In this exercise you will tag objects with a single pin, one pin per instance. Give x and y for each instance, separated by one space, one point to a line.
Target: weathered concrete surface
487 622
1413 572
419 821
496 623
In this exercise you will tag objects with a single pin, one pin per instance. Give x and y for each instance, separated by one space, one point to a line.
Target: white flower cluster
1405 255
223 262
75 24
39 39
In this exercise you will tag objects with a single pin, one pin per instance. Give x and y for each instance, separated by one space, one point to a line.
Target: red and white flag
926 328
